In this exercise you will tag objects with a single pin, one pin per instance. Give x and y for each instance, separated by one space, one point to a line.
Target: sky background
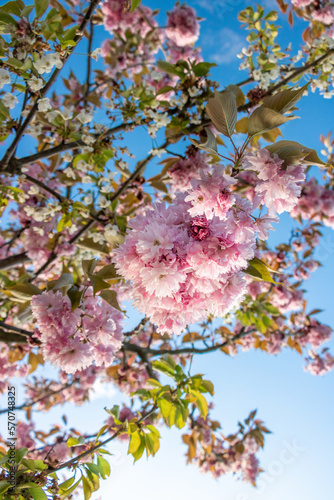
296 406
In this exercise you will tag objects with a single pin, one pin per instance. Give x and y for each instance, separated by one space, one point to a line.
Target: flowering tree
85 231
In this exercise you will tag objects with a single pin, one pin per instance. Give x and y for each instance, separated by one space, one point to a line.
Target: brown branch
13 260
20 331
90 42
292 76
6 161
28 404
61 148
97 446
183 350
54 193
140 166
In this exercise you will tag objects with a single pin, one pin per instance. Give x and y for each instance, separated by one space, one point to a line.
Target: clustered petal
73 340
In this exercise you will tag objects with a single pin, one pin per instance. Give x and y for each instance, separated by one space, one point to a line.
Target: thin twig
5 163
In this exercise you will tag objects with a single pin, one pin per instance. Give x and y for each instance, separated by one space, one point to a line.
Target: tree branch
128 346
6 161
14 260
97 446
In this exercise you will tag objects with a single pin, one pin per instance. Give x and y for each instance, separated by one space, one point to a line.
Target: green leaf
72 441
20 453
75 296
29 464
153 429
98 283
210 146
64 283
110 296
164 367
165 406
66 484
16 63
294 153
201 403
152 442
4 486
108 272
40 7
208 386
24 291
202 68
264 119
7 19
88 266
283 101
154 383
259 270
135 4
87 488
169 68
66 493
26 11
37 493
70 33
179 420
222 110
135 442
90 244
139 452
11 8
104 467
165 89
238 94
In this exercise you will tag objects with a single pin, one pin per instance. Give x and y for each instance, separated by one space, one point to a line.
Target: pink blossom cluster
319 365
316 334
73 340
302 3
236 456
182 26
279 187
56 453
316 203
37 234
117 17
322 12
131 378
186 169
129 53
287 299
185 260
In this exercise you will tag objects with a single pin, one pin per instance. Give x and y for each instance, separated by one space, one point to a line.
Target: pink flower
280 188
302 3
199 228
182 26
72 341
324 15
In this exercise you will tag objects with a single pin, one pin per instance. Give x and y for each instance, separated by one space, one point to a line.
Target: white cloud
230 44
102 390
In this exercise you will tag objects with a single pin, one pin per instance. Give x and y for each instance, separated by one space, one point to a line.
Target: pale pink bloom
182 26
324 15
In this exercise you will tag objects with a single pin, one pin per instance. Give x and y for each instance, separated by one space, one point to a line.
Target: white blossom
35 83
95 54
4 77
103 202
84 116
10 100
44 104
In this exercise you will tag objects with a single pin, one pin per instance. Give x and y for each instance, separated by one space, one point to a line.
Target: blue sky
296 406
